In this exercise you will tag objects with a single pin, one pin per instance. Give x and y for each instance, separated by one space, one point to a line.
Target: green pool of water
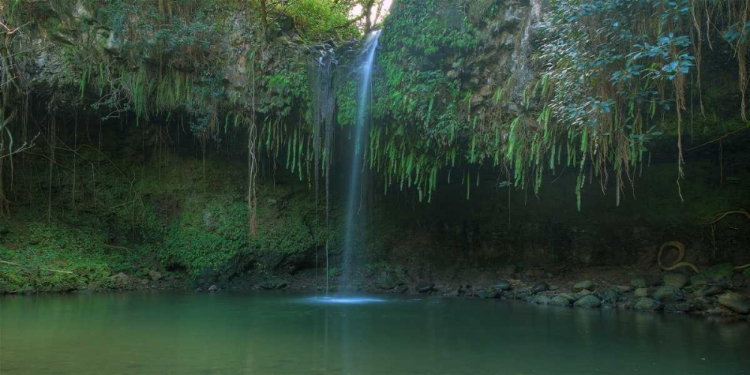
266 334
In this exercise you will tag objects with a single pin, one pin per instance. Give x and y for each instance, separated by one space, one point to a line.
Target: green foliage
614 75
212 231
417 97
333 272
320 18
40 247
208 234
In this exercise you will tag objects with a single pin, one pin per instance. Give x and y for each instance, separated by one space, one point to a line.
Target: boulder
702 304
570 297
452 293
647 304
425 288
736 302
540 287
154 275
560 301
720 311
711 290
677 306
668 294
588 302
487 293
676 280
611 295
698 280
625 305
624 288
387 280
584 285
213 289
501 285
120 279
272 284
518 295
540 299
719 272
638 283
641 292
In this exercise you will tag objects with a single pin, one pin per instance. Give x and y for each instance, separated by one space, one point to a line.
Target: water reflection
342 300
283 334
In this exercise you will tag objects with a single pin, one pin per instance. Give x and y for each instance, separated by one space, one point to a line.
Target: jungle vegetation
585 85
607 77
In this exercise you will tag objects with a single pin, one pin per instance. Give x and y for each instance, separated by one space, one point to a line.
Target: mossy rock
611 296
641 292
624 288
387 280
710 290
568 297
501 285
668 293
541 299
584 285
487 293
559 300
702 303
719 272
736 302
698 280
676 280
588 302
647 304
638 282
679 307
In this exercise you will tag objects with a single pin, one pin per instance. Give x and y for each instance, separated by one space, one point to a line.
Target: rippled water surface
264 334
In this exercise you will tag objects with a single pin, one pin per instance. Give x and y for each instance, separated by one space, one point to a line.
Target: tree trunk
264 15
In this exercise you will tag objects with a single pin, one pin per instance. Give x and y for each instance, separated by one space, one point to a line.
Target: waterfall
353 192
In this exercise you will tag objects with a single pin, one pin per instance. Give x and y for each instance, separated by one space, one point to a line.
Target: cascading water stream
352 206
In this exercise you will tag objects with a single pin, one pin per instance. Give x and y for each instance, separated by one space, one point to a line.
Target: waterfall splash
352 202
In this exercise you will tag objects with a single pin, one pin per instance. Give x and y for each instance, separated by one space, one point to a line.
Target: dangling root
725 214
678 263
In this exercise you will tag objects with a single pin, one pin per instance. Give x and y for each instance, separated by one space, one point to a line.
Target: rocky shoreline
716 292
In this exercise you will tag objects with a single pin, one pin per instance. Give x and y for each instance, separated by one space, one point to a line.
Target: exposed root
681 248
678 263
736 212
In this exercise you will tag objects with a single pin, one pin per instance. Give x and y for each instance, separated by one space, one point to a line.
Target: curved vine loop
681 248
678 263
